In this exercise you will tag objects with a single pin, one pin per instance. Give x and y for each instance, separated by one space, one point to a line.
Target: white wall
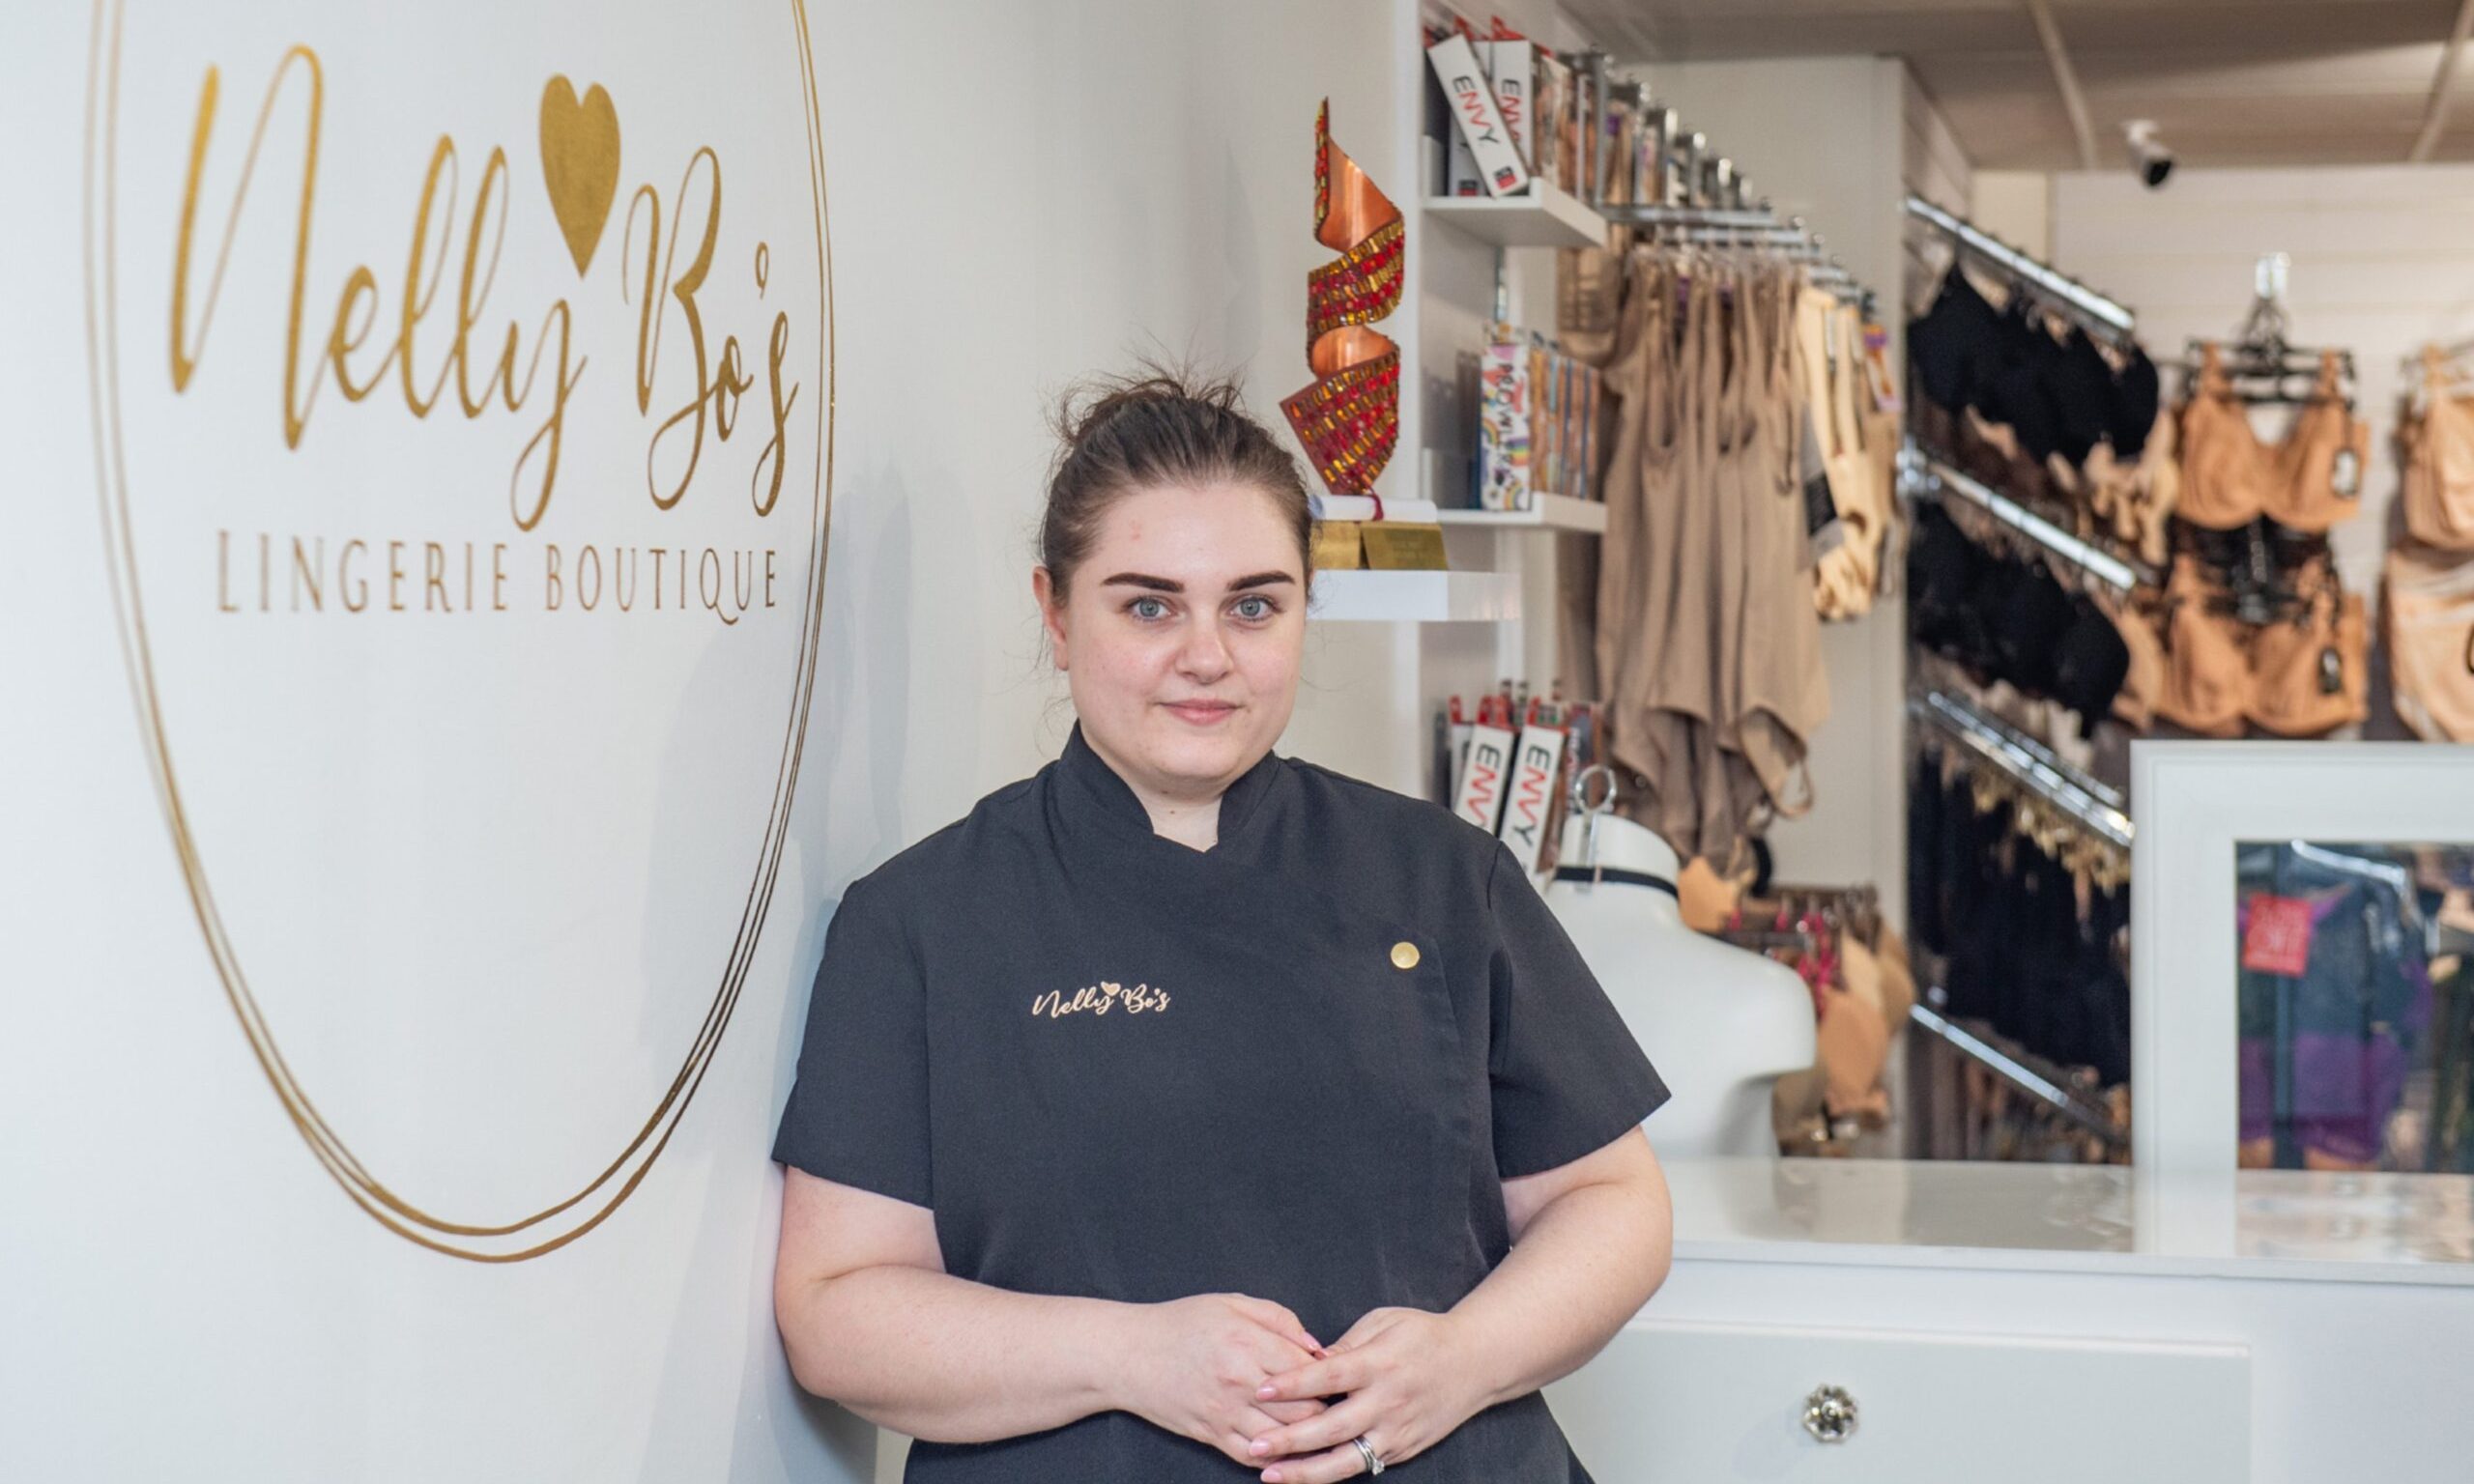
1016 197
2383 260
2015 206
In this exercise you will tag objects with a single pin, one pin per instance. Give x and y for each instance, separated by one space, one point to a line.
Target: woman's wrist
1477 1362
1114 1354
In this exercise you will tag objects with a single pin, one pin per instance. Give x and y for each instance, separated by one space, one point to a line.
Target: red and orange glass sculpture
1350 418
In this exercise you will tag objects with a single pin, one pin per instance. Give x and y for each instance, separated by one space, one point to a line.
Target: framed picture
2302 985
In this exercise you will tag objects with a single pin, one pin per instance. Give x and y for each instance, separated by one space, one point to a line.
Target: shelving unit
1415 597
1547 216
1552 512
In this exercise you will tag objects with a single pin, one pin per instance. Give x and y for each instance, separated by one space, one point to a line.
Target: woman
1191 1113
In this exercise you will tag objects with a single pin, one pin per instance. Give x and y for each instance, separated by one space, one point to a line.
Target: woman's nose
1205 651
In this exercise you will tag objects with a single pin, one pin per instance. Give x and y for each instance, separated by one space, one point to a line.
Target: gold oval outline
397 1215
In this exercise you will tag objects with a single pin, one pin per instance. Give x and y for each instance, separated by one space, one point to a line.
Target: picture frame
2193 805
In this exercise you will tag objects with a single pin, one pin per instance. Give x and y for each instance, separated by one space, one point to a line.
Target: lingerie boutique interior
1973 509
1940 533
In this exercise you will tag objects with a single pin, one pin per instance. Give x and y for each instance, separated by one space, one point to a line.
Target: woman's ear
1051 616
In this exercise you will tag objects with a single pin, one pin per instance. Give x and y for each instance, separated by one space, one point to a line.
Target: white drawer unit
1708 1403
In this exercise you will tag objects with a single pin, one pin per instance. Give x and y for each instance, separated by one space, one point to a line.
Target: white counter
2041 1324
2057 1218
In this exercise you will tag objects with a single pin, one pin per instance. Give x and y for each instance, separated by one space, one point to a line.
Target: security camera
2150 159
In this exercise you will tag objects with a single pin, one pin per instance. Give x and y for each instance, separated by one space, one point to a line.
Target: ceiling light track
2435 108
2066 78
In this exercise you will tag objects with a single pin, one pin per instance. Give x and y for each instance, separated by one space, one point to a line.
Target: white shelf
1552 512
1415 597
1548 218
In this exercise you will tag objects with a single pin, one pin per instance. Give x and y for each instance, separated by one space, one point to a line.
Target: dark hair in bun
1158 427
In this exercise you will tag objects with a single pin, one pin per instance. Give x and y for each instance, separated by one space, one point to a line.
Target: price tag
2346 477
2278 940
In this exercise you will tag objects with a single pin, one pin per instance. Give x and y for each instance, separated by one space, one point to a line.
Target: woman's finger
1332 1464
1372 1327
1333 1428
1280 1321
1284 1415
1238 1441
1345 1371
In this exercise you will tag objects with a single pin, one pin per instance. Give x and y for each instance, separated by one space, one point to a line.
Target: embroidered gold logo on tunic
1099 999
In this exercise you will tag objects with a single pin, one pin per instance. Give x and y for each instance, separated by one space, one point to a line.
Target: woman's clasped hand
1196 1365
1244 1376
1404 1381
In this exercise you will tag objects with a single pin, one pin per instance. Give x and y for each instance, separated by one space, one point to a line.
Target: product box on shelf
1504 391
1553 111
1538 410
1477 118
1511 67
1485 766
1530 797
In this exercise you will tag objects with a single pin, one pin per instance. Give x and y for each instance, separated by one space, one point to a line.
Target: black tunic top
1297 1065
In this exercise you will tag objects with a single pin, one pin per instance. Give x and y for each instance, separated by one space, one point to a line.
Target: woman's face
1181 634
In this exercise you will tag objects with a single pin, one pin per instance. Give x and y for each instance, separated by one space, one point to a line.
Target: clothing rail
2099 810
1651 214
1924 474
2018 1074
1751 227
2104 314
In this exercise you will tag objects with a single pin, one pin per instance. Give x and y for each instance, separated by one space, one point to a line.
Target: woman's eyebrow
1171 584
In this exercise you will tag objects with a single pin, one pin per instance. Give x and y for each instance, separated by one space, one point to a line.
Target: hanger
2386 873
1592 813
2259 352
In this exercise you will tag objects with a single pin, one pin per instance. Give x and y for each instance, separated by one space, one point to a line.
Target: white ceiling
2260 82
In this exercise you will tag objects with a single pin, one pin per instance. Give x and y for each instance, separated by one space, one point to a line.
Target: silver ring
1365 1450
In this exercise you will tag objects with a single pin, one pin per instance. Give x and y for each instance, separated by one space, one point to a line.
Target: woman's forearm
950 1360
1583 1266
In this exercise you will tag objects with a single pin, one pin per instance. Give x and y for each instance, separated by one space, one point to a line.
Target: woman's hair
1161 426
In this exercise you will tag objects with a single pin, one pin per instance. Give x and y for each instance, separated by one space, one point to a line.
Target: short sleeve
858 1110
1566 1075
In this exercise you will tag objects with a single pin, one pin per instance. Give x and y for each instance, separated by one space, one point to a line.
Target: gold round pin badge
1404 955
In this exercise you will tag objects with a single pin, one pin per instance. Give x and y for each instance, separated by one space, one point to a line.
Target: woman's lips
1201 713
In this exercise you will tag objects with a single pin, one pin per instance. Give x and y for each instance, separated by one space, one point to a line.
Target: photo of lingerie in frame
2355 1001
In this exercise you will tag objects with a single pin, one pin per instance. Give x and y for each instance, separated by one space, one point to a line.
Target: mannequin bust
1721 1023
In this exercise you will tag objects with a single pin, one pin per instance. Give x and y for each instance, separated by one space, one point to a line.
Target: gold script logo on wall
462 383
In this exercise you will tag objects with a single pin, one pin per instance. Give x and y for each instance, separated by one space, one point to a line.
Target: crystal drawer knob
1830 1415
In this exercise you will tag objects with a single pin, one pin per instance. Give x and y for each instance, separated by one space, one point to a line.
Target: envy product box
1475 117
1529 801
1511 67
1484 770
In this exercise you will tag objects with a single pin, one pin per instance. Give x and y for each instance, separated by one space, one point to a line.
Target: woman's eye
1254 608
1147 609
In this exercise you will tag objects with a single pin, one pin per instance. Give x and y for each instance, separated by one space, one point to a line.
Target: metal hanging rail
1639 215
2051 283
2100 810
1923 474
2016 1071
1752 227
1693 191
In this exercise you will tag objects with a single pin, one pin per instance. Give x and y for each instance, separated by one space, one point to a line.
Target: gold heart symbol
579 163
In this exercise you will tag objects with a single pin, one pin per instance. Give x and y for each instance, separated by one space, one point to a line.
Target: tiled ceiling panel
2253 83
